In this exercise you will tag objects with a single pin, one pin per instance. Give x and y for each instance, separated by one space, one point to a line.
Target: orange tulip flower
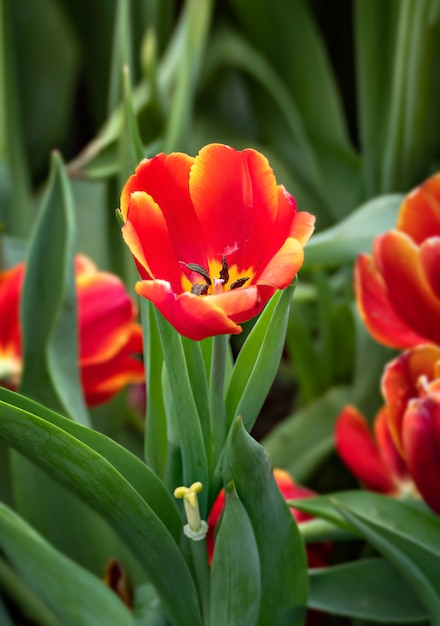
403 455
109 336
318 554
398 287
213 237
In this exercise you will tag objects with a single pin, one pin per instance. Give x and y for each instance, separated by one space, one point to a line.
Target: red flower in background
318 554
109 336
398 287
213 237
371 454
404 454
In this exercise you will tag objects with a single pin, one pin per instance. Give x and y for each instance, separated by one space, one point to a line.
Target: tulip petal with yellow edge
375 308
106 315
401 381
102 380
283 266
388 451
409 292
421 440
358 450
419 214
430 260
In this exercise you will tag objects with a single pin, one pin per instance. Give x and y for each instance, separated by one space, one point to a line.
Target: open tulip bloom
213 237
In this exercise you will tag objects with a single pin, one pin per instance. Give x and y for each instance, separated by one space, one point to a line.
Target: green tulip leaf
97 482
370 589
280 547
235 572
50 347
341 243
139 475
305 439
75 597
258 360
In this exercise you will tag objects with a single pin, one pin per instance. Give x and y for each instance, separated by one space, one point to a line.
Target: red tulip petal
236 199
419 215
421 439
165 178
195 317
430 260
400 383
409 293
106 315
11 282
241 305
149 240
375 308
357 448
281 269
391 457
101 381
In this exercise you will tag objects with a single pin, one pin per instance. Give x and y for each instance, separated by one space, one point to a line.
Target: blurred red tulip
403 455
398 286
213 237
110 339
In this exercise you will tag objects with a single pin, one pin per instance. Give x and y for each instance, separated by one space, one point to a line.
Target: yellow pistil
196 528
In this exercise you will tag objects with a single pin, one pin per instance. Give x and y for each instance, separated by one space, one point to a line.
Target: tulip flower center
202 284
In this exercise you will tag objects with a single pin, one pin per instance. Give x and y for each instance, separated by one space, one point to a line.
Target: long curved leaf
76 597
97 482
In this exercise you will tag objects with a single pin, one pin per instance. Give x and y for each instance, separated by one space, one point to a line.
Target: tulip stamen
200 289
199 269
239 282
224 272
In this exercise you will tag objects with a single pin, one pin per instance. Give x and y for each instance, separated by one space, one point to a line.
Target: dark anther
199 289
239 283
199 269
224 272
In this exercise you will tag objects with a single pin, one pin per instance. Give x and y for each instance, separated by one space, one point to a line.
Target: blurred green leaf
75 596
404 533
235 572
50 348
196 19
282 555
258 360
15 213
148 610
305 439
23 597
48 64
121 52
97 482
370 589
343 242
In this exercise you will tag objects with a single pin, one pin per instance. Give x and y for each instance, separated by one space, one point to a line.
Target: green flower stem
201 566
23 596
321 530
217 407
